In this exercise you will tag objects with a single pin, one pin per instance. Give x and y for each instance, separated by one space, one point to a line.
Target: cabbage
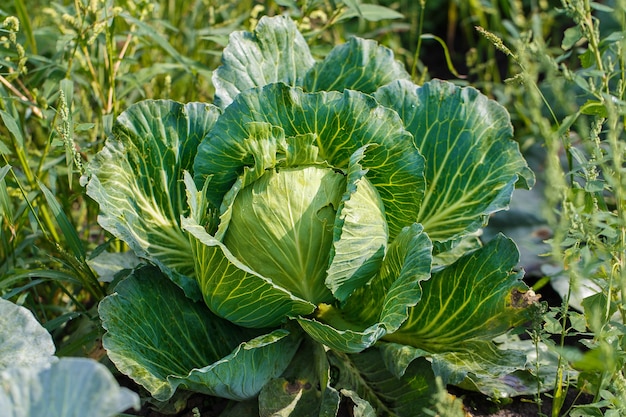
321 215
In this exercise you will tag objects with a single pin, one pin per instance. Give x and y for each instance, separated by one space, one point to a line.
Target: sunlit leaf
472 165
358 64
478 297
137 181
274 52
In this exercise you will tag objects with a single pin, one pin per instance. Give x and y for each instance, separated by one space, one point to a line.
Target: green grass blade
68 230
27 29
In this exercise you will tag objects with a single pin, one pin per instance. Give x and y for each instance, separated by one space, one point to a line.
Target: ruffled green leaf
388 296
360 238
275 51
358 64
67 388
476 298
23 341
382 305
235 292
472 165
341 124
477 358
163 341
137 181
477 365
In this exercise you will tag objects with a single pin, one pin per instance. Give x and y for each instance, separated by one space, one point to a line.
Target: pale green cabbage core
282 228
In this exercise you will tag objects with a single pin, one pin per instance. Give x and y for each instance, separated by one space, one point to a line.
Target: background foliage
68 68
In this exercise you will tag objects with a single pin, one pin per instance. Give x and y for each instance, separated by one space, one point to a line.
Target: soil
478 405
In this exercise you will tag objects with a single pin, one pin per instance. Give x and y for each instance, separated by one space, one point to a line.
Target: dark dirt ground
476 405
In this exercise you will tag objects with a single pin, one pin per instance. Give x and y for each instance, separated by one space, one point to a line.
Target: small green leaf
570 37
353 5
376 12
594 108
587 59
67 228
163 340
12 125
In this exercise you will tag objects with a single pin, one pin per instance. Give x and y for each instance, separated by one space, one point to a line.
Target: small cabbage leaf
476 298
472 165
137 181
360 233
163 340
275 51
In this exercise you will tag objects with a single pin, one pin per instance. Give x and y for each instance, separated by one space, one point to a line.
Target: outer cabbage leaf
472 165
275 51
66 388
163 340
476 298
382 305
137 181
365 374
304 388
23 341
358 64
341 124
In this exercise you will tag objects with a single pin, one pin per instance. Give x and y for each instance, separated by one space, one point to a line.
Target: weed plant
569 99
67 68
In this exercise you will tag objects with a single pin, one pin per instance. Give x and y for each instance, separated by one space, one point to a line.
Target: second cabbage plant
310 240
